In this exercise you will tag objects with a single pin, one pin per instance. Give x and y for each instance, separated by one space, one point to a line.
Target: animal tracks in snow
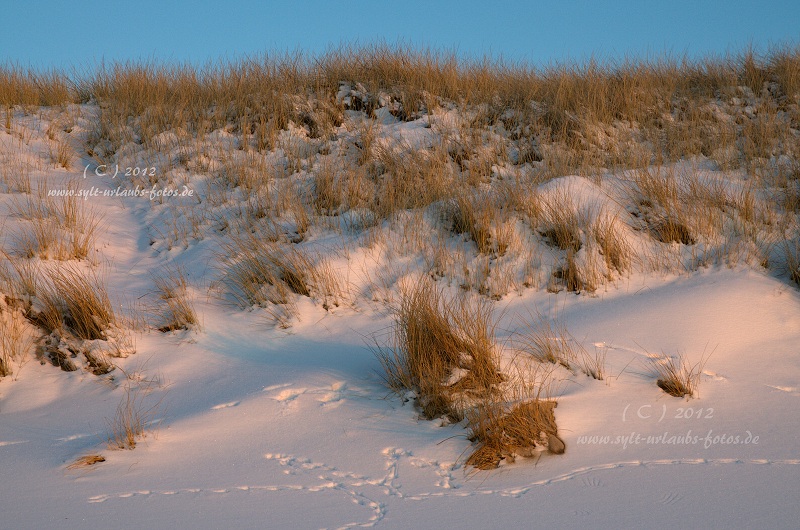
324 396
793 390
225 405
14 442
375 493
290 394
77 437
713 376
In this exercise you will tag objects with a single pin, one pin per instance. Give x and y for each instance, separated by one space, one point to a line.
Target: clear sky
81 33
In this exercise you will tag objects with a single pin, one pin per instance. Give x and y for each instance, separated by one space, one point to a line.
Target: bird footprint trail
376 493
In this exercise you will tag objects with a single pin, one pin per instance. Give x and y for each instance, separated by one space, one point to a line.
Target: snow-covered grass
262 276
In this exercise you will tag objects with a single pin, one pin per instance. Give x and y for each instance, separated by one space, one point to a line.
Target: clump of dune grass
173 290
70 306
75 299
62 154
327 198
676 376
272 274
574 275
15 173
482 217
504 433
16 339
331 287
617 252
410 178
442 349
518 421
561 222
19 280
260 263
467 216
59 227
658 200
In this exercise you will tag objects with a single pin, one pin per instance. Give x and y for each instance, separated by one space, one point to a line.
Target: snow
254 426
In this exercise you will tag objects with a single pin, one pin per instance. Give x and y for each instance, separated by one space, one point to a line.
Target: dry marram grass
173 290
676 376
442 349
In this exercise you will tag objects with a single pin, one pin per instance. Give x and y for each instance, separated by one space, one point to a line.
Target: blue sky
47 33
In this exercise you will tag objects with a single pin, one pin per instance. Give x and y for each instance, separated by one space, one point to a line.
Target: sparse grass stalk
131 417
549 341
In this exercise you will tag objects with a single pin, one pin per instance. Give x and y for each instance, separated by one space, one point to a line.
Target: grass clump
443 354
173 290
477 216
547 341
58 227
518 421
676 376
266 272
272 274
411 178
504 433
561 223
442 350
617 253
16 341
75 300
71 306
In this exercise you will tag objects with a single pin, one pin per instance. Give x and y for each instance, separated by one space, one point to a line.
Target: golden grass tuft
173 290
63 228
269 273
561 222
411 178
617 252
676 376
473 216
16 340
75 299
517 421
503 433
442 349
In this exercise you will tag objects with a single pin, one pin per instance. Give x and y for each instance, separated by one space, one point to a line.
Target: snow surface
258 427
